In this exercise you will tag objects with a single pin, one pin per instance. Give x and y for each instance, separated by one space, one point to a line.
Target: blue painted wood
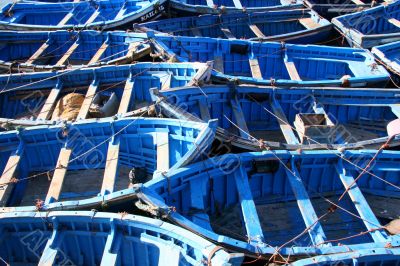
312 65
389 56
230 6
288 26
330 10
88 142
98 14
269 187
360 116
42 50
23 95
372 27
90 238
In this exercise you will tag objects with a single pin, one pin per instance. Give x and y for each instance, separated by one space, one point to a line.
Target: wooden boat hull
292 26
267 202
90 238
99 15
389 56
32 98
276 64
50 51
250 116
331 9
228 6
375 26
84 165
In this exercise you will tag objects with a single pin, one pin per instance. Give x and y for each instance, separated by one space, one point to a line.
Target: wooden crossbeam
50 252
255 68
93 17
238 4
126 95
162 143
111 170
197 202
90 93
228 33
306 208
48 106
66 19
38 53
57 181
9 173
113 244
309 23
121 12
394 22
367 215
218 63
256 31
70 51
202 74
358 2
99 53
239 117
249 211
287 130
291 68
204 111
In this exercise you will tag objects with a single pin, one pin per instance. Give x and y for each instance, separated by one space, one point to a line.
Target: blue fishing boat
46 51
372 27
93 164
282 204
90 238
389 56
230 6
272 63
251 117
50 97
331 9
77 15
292 26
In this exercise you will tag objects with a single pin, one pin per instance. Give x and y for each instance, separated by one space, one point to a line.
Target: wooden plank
48 106
218 63
197 203
162 143
358 2
126 95
227 33
166 82
240 120
204 111
202 74
111 169
38 53
8 174
361 204
249 211
286 128
238 4
90 93
394 22
255 68
66 19
65 57
57 181
306 208
256 30
121 12
93 17
113 244
99 53
309 23
291 68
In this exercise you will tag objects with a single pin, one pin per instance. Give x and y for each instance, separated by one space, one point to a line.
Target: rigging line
327 148
64 72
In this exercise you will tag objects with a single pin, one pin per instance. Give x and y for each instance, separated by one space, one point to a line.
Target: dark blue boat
275 64
292 26
389 56
331 9
93 164
90 238
230 6
46 51
282 203
306 118
94 14
372 27
40 98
